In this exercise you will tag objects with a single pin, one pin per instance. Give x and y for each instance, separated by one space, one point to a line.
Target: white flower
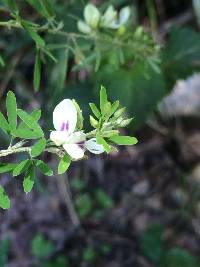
124 16
92 15
74 143
64 120
109 16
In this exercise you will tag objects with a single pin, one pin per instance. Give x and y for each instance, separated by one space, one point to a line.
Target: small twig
64 187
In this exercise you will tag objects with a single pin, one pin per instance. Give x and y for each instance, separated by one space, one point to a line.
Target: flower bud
124 15
92 16
109 16
121 31
125 123
119 112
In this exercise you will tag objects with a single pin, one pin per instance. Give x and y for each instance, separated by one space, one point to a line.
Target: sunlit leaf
21 167
123 140
64 164
29 180
37 71
4 199
11 105
38 147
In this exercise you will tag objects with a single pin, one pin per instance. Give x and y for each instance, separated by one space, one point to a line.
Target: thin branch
64 187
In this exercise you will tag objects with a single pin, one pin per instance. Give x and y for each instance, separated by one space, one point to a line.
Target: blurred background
138 207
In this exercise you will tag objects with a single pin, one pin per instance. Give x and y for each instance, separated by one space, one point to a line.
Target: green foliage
78 184
64 164
11 105
25 126
7 167
30 122
89 254
4 124
152 244
21 167
83 204
4 249
38 147
41 247
29 180
123 140
60 261
37 71
4 200
153 247
43 167
103 200
179 58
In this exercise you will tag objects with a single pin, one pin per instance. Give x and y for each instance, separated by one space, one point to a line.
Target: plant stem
14 150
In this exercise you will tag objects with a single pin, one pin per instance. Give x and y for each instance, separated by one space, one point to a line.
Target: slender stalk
64 187
50 148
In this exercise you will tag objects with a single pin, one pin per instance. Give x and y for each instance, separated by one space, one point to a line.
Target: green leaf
4 251
180 58
95 110
33 34
89 255
119 113
4 124
11 105
25 133
114 107
21 167
29 180
36 4
47 5
103 199
38 147
29 121
4 199
2 63
178 257
79 124
64 164
60 69
123 140
11 4
43 167
36 114
102 141
83 204
103 99
40 247
151 243
37 71
93 122
7 167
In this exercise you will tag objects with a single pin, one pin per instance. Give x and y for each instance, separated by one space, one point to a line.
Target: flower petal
65 116
93 147
59 137
76 137
74 150
124 15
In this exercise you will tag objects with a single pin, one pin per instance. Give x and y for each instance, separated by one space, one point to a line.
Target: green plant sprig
27 137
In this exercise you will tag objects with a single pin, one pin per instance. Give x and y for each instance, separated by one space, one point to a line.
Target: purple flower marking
65 126
81 144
